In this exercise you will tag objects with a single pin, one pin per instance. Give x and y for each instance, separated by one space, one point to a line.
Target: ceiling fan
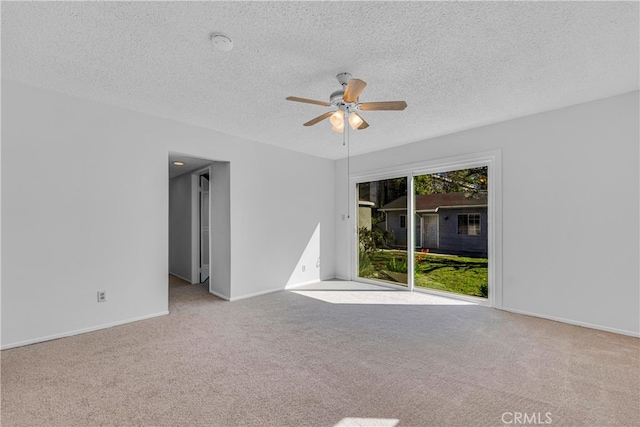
348 104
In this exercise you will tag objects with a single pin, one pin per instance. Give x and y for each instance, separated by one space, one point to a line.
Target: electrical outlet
102 296
344 217
304 268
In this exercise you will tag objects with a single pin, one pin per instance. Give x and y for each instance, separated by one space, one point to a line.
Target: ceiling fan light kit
337 118
337 121
348 104
355 121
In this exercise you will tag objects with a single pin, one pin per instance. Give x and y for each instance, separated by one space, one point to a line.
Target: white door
204 229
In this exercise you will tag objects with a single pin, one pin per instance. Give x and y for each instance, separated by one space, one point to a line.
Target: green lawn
450 273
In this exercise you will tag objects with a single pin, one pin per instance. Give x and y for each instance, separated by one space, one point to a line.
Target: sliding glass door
382 231
451 211
431 236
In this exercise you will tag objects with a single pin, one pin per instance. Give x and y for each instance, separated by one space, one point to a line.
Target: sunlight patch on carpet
367 422
379 297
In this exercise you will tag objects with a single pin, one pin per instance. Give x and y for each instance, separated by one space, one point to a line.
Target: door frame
203 213
195 224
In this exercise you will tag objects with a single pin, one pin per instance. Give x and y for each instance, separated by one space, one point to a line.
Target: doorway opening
199 223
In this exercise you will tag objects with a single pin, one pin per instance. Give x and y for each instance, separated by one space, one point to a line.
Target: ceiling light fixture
221 42
178 163
337 121
348 105
355 121
337 118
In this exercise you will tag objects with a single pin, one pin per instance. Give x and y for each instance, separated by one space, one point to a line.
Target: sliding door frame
493 161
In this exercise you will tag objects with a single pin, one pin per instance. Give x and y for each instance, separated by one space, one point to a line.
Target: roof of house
433 202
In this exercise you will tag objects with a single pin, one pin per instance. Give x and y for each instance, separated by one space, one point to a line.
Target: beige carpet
325 358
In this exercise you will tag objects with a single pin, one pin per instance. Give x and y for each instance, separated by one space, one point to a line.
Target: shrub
373 240
381 238
484 290
397 266
365 265
367 242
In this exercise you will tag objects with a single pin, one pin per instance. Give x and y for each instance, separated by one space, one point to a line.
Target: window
403 221
469 224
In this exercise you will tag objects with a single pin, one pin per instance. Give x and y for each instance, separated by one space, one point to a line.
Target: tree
472 180
382 192
393 189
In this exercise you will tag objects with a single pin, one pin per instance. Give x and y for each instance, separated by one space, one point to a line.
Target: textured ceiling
458 65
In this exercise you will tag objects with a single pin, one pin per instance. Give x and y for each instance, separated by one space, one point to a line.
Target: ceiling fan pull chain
346 130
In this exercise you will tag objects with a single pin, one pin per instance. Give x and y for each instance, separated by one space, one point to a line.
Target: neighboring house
364 214
453 223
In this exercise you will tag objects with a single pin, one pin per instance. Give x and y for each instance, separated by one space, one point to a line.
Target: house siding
452 242
399 233
449 242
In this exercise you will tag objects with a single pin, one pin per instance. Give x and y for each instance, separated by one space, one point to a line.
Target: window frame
468 226
492 159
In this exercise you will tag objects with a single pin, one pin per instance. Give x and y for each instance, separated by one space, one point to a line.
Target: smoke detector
221 42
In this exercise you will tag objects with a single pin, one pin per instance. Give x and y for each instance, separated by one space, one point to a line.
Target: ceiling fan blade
353 90
364 124
386 105
307 101
319 118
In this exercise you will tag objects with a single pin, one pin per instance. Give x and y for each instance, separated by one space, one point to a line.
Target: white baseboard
270 291
573 322
219 295
81 331
297 285
255 294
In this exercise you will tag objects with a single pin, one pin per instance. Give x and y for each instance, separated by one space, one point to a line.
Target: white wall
288 197
180 227
220 198
570 208
85 208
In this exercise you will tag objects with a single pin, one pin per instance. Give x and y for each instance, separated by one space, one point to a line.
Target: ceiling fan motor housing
336 98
